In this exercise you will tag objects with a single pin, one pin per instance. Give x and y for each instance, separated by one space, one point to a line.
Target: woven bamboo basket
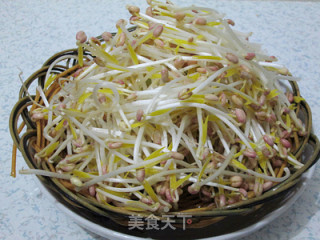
205 222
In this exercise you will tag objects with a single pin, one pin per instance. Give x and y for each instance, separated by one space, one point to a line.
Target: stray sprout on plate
182 105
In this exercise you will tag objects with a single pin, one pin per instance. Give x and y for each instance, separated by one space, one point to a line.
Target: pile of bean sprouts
183 104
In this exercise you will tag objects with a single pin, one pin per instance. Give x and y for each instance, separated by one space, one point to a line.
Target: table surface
32 31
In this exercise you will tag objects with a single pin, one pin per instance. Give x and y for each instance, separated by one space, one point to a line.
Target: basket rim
21 109
228 210
286 195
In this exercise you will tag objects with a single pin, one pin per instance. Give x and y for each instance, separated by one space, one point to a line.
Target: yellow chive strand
156 76
194 99
127 145
151 171
117 67
194 76
288 120
273 93
73 131
238 154
108 91
150 191
213 118
298 99
231 72
155 154
83 97
181 181
81 174
159 112
242 89
182 42
166 14
145 38
212 24
109 57
149 68
177 49
51 78
204 130
118 194
221 190
132 53
203 168
207 57
59 125
173 178
137 124
51 148
238 164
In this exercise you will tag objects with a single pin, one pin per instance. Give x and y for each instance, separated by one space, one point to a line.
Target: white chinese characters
153 222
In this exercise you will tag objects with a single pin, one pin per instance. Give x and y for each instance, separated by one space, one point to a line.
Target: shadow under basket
205 222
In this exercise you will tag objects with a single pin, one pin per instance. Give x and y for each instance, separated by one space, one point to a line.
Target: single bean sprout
183 105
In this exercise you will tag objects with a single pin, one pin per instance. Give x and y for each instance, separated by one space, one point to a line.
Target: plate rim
111 234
